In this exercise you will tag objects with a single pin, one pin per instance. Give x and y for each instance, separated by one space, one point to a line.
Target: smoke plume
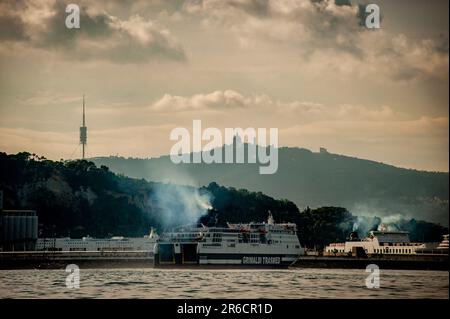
364 224
180 205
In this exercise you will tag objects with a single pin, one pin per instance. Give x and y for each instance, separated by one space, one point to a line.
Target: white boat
380 242
116 243
264 244
443 245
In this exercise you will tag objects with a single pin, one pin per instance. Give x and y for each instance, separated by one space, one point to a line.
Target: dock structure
85 259
412 262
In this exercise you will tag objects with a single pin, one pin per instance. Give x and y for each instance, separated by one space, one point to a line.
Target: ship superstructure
116 243
253 244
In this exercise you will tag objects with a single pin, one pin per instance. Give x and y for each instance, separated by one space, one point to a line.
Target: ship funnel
353 236
153 233
270 220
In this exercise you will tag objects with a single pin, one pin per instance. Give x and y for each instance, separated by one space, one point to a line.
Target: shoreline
425 262
59 260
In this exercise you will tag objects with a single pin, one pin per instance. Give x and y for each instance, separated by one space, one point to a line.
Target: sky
306 67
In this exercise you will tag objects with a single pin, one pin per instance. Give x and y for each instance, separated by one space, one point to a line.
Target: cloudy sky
307 67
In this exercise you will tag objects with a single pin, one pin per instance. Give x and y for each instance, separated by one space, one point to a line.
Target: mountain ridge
312 179
78 198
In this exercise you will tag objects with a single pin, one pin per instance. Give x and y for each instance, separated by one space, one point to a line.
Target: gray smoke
390 223
180 205
364 224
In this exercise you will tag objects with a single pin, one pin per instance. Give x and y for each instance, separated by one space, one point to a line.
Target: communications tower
83 131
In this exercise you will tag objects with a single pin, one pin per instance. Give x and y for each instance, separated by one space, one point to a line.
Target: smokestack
353 236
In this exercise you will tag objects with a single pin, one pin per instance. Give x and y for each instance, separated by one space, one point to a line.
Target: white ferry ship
116 243
382 242
264 244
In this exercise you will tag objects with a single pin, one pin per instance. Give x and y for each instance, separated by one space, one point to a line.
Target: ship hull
168 256
246 259
236 261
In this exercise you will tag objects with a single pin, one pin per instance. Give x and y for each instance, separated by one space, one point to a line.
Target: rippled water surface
200 283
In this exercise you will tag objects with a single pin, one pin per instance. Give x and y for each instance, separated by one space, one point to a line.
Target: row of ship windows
232 232
234 245
394 251
98 249
82 243
253 241
382 251
399 244
77 245
257 238
218 235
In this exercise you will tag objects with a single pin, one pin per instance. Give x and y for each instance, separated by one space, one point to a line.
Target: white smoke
180 205
363 224
356 224
390 222
392 219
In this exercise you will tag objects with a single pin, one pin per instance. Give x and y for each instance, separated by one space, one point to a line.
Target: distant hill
77 198
311 179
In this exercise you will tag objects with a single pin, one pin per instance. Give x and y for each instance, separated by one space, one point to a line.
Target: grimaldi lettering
251 260
271 260
256 260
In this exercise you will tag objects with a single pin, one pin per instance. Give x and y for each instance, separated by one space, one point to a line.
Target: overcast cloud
308 67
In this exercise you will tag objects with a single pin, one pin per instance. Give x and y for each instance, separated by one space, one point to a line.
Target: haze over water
200 283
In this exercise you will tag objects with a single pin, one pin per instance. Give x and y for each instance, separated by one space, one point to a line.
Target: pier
413 262
84 259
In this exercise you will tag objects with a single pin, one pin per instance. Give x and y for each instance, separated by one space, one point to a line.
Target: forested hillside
312 179
77 198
